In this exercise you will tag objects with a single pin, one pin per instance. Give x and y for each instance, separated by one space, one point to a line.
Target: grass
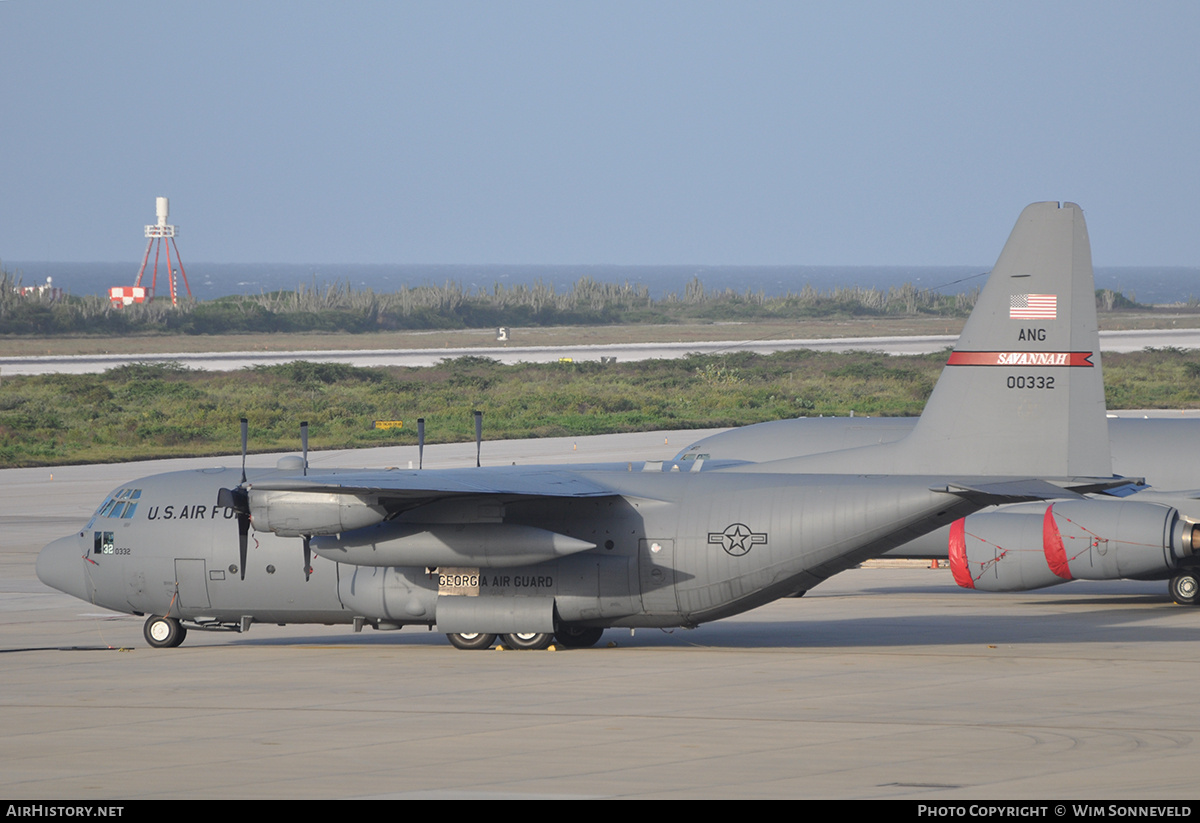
145 411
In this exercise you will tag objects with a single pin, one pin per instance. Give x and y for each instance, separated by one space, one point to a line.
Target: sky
628 133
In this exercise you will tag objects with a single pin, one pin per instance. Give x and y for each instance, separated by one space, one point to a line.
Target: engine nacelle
1000 552
490 545
295 514
1035 545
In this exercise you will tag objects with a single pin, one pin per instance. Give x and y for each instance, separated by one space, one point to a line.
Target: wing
457 516
346 501
421 486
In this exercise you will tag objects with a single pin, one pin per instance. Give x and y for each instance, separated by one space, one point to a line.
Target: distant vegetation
142 411
339 308
1109 300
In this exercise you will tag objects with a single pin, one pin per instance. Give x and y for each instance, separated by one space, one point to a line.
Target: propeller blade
245 435
243 539
307 558
420 442
237 499
304 445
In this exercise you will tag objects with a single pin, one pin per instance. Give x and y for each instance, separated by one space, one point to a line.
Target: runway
1115 341
881 683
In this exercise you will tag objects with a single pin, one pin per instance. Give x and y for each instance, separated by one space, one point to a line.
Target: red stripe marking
1052 546
958 554
1021 358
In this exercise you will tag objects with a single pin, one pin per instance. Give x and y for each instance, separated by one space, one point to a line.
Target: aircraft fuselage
670 548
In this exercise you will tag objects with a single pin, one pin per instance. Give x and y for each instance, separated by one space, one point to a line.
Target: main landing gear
163 632
533 641
578 637
571 637
1184 588
522 640
471 640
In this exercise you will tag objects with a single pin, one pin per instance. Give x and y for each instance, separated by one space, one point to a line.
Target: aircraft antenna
304 444
478 435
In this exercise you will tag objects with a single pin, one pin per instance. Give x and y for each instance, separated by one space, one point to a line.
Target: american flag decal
1033 307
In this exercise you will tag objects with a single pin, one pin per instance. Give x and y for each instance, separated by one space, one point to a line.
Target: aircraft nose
60 566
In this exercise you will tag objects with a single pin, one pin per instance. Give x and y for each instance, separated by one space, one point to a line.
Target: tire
578 637
163 632
1184 588
471 640
534 641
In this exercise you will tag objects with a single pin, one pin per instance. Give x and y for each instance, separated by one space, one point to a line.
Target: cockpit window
123 504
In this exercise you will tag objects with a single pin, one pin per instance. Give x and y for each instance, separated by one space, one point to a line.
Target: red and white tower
157 232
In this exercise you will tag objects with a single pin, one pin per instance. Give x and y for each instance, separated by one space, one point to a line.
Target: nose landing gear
163 632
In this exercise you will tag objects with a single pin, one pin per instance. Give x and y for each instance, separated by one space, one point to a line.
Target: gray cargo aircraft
535 553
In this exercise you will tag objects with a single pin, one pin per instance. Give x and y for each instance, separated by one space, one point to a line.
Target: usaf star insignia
737 539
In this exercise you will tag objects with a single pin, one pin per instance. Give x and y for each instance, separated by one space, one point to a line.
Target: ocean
211 280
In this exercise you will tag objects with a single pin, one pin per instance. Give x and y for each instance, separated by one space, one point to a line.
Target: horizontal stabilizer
1024 489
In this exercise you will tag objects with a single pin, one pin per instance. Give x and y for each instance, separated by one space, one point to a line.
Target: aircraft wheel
163 632
1185 588
471 640
529 640
578 637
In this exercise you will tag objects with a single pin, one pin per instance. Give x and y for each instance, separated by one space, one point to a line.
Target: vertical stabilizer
1023 392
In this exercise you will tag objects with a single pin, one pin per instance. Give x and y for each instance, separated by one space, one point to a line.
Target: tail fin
1023 391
